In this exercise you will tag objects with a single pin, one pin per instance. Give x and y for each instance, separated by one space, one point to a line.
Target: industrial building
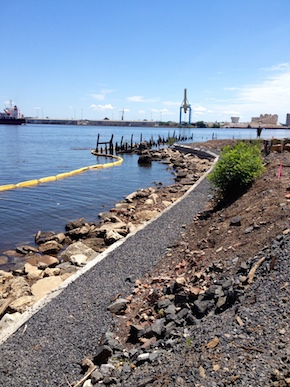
265 119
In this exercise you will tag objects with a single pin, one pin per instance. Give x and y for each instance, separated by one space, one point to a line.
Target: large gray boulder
77 248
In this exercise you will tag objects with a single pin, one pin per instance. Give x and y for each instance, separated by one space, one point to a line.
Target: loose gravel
246 345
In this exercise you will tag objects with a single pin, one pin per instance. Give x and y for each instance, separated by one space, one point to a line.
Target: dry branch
254 269
91 369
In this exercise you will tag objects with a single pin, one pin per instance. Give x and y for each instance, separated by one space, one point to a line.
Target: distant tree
216 125
201 124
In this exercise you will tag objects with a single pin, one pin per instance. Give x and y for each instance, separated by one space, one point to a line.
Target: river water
35 151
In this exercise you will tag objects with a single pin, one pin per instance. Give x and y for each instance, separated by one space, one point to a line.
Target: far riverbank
147 124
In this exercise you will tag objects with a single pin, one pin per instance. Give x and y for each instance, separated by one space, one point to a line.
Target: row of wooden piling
276 145
108 147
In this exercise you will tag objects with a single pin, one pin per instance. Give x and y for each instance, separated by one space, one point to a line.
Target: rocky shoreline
30 272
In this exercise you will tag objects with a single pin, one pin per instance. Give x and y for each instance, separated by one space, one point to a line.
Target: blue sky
93 58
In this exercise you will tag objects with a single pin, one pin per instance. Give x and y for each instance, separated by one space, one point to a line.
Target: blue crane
185 105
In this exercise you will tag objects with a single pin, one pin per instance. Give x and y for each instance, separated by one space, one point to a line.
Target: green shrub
237 169
171 141
201 124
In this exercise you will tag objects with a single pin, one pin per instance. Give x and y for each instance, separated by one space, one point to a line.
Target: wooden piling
126 147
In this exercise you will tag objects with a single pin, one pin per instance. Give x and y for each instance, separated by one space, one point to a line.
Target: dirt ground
212 240
265 208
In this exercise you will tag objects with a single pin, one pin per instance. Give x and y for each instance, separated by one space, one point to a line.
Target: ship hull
12 121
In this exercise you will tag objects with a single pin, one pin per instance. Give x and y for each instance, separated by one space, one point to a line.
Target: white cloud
171 103
231 112
101 84
102 95
139 98
101 107
135 98
278 67
273 90
231 88
200 109
99 97
107 91
270 96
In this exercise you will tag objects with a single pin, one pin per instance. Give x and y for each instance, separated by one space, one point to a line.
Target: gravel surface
246 345
47 351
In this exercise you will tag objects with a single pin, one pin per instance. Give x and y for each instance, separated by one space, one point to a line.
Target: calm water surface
35 151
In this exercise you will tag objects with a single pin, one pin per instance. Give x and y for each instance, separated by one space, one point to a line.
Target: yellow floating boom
31 183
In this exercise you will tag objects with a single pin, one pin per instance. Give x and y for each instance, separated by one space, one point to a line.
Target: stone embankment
30 272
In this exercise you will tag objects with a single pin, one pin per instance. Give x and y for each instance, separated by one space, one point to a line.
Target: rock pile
31 272
218 328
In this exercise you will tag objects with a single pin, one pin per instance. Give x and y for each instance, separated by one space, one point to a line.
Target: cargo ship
12 116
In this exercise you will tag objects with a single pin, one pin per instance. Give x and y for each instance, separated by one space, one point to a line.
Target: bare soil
211 239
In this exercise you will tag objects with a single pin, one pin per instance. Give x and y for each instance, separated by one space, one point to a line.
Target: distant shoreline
157 124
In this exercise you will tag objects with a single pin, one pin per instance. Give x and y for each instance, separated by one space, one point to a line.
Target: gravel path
47 350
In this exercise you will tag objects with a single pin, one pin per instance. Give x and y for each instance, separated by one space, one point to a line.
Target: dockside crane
185 105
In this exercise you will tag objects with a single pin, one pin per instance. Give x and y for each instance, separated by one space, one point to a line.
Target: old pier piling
131 146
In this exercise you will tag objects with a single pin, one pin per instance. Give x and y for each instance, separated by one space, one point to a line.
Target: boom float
31 183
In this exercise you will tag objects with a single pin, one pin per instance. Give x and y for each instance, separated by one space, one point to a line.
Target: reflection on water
49 206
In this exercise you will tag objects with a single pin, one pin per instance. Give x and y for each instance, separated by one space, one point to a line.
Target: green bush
171 141
201 124
237 169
